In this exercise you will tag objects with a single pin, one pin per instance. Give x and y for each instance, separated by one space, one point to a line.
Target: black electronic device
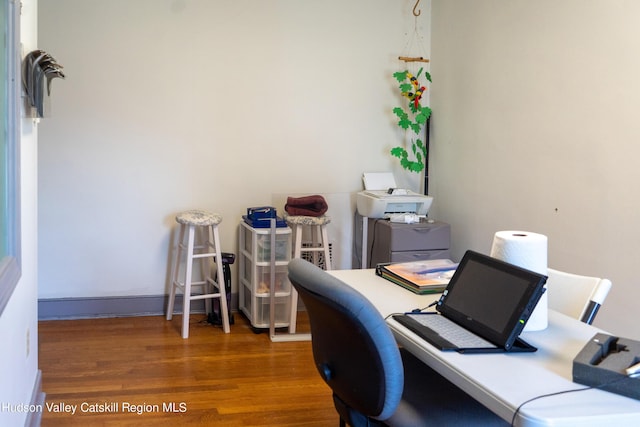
215 317
608 363
491 298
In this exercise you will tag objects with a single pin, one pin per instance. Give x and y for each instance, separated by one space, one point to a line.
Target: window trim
11 265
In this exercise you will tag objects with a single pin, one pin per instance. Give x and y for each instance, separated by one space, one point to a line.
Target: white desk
502 382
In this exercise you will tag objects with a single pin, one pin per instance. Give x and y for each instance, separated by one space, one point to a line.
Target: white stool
319 244
205 246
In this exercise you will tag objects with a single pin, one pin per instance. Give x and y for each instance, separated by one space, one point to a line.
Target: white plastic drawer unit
257 243
255 268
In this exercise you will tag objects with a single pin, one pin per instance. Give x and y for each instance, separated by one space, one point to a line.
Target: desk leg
364 248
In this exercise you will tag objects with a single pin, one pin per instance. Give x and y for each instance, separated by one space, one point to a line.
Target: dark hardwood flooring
138 371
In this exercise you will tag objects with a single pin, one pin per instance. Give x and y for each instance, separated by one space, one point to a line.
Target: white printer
381 198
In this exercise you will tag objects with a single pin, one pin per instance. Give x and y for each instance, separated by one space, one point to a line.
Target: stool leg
293 313
224 310
174 272
297 231
325 244
206 265
316 242
186 301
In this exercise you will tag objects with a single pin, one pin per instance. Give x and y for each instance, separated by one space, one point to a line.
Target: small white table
502 382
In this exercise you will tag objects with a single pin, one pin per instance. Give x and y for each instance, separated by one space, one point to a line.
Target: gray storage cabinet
397 242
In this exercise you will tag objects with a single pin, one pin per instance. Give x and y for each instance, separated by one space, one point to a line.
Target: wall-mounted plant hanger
412 59
413 153
38 70
416 13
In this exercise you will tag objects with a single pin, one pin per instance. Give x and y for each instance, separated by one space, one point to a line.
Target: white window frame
10 232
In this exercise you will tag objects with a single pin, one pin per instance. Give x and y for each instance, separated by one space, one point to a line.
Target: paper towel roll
527 250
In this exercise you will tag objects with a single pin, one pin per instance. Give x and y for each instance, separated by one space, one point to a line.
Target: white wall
18 322
535 127
170 105
173 105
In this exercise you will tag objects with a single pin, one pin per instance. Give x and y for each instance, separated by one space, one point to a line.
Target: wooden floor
124 366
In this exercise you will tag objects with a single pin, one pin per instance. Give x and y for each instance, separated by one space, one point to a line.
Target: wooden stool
204 245
319 244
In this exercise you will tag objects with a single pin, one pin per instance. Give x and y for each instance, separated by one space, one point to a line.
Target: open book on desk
421 277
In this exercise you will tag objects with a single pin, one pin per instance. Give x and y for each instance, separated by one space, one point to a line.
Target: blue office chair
373 382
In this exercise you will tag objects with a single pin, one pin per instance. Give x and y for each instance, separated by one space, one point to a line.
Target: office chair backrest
354 350
576 296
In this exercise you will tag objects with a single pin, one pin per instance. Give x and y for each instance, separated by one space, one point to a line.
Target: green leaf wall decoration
415 119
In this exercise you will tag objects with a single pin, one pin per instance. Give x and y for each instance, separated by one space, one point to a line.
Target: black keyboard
442 332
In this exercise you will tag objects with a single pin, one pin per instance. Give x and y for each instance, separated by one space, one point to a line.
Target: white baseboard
34 418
